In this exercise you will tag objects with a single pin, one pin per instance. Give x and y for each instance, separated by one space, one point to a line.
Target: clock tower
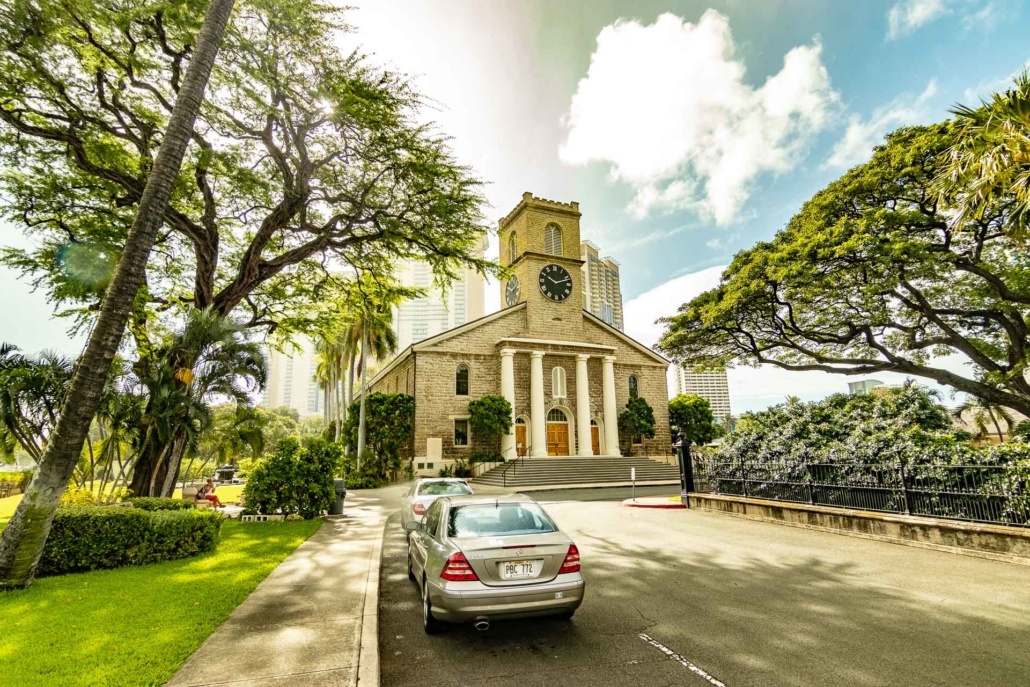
540 243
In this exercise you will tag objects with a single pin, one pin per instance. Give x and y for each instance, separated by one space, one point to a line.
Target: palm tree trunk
364 390
997 427
174 462
21 544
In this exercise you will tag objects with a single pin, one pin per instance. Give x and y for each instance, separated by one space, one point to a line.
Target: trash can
341 494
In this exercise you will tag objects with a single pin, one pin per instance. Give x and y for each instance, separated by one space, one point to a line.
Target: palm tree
991 159
209 359
31 392
981 413
379 339
21 544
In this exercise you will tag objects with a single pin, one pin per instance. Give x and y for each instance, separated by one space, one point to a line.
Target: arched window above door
556 415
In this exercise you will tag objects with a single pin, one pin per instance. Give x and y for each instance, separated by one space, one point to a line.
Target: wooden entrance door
520 440
557 438
595 439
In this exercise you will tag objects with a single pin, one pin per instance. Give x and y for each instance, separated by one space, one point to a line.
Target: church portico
561 376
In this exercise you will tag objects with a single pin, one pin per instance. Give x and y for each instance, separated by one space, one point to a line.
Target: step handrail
512 466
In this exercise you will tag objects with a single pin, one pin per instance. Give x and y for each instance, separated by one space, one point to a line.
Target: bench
190 494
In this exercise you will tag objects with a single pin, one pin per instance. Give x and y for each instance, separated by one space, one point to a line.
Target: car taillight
418 508
458 569
571 563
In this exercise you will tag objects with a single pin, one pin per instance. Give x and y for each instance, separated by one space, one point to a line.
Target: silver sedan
426 490
479 558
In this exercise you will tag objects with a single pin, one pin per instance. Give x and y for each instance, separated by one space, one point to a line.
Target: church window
552 240
461 380
556 415
558 382
512 247
461 432
633 387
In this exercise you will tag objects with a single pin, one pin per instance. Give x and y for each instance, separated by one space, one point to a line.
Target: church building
566 373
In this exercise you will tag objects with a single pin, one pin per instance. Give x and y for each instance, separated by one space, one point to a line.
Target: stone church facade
566 373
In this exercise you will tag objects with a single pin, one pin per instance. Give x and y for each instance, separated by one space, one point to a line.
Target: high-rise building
439 310
713 386
291 380
602 290
864 386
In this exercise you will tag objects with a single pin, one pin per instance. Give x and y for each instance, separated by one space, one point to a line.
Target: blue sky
686 130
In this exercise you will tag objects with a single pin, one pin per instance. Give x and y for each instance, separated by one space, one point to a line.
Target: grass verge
135 626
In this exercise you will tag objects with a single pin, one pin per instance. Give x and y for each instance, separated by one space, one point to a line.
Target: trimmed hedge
95 537
157 503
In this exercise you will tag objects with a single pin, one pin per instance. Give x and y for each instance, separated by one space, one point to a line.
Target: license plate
517 570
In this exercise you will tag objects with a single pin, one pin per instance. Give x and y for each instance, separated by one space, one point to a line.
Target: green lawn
134 626
7 506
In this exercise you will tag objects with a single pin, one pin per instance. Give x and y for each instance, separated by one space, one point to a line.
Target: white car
424 491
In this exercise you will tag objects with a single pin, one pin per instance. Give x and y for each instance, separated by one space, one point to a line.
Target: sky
686 130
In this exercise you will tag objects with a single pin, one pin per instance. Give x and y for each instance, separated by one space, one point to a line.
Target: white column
508 391
583 407
611 411
537 418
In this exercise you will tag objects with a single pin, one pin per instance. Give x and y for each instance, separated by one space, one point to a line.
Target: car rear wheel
430 624
566 615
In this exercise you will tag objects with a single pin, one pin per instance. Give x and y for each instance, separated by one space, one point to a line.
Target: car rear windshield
498 520
444 489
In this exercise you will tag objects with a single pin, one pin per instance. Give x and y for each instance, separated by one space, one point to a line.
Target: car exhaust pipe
482 624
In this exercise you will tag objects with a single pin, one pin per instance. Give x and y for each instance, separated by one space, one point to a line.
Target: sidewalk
314 619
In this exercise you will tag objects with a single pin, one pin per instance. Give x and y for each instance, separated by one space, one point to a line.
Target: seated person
207 493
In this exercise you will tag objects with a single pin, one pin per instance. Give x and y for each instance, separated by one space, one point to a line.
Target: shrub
359 481
459 469
19 479
485 458
155 503
295 479
95 537
78 496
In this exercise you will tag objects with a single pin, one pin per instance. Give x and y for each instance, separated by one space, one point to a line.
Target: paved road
674 595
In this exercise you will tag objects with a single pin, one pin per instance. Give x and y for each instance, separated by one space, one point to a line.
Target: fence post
743 477
808 480
904 488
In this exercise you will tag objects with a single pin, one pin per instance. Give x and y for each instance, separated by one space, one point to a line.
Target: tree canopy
305 162
636 421
692 416
872 275
489 420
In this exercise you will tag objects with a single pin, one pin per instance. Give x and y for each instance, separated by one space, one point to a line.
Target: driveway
678 597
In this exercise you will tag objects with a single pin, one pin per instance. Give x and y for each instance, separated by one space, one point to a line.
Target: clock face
555 282
511 292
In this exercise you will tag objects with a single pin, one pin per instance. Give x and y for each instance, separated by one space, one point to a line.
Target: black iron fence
980 493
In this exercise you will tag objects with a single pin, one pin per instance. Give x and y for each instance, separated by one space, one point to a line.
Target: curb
589 485
668 505
368 652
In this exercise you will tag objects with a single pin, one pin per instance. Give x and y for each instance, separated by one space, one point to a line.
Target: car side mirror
411 525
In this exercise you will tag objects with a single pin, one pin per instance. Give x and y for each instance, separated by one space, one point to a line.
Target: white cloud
856 145
714 244
908 15
667 107
640 313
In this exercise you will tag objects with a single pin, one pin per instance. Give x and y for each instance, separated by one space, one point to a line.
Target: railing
980 493
512 466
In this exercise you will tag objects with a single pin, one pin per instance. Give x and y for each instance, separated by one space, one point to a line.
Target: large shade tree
29 33
873 275
305 163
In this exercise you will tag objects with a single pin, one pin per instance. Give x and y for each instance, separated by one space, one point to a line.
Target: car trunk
518 560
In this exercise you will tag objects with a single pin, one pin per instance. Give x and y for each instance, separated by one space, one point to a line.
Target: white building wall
713 386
